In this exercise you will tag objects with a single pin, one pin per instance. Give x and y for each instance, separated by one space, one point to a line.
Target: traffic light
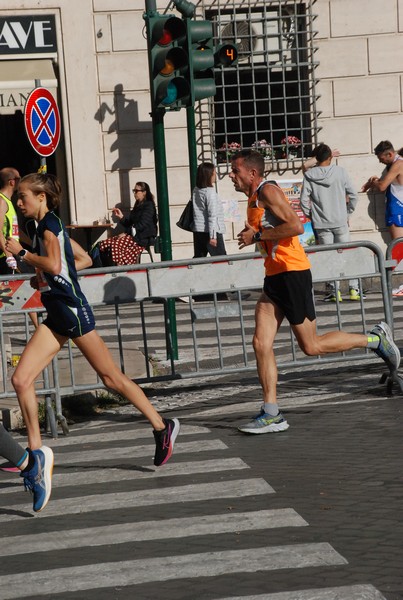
182 58
204 57
168 62
201 59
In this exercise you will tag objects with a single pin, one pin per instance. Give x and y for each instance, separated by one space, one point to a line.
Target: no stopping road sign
42 121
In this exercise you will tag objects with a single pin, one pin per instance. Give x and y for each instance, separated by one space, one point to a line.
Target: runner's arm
51 263
290 225
381 184
81 258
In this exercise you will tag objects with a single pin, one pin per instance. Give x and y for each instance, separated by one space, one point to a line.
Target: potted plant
225 151
290 146
263 147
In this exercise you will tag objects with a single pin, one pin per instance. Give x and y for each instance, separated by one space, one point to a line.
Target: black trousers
202 247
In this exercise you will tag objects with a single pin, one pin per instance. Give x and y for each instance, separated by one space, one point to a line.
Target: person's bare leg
34 318
395 231
98 355
313 344
268 318
41 348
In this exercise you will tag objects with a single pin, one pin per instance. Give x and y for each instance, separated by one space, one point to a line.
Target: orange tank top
280 255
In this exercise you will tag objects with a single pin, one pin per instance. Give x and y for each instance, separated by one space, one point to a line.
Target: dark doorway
15 148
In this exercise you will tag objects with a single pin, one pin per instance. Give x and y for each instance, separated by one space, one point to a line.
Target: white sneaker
265 423
396 292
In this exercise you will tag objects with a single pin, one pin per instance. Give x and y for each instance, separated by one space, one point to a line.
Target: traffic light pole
162 183
181 57
192 149
164 221
157 116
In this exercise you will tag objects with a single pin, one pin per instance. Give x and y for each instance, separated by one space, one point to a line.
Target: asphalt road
312 513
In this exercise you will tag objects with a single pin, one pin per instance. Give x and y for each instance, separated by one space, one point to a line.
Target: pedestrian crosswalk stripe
128 472
237 488
152 570
151 530
123 435
107 454
345 592
248 408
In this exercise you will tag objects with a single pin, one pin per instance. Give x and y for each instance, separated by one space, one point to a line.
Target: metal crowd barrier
214 318
394 271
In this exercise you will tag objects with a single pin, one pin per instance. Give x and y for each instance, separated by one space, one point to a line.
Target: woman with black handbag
208 214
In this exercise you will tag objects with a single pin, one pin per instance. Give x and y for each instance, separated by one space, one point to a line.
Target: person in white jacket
208 214
328 198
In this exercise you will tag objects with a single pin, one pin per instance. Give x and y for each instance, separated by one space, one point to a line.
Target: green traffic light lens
171 94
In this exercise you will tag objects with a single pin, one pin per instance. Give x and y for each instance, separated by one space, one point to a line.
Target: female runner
68 316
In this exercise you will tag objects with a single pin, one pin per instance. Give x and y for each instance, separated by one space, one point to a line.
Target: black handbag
186 219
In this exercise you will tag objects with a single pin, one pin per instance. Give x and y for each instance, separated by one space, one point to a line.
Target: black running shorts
292 292
68 321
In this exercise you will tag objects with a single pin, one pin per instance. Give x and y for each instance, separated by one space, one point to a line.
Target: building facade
308 71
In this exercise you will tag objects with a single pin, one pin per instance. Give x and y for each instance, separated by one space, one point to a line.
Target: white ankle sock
271 409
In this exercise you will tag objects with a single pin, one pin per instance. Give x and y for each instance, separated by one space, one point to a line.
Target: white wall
360 53
109 136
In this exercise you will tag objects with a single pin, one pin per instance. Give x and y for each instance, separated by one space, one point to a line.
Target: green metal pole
157 116
162 183
163 214
192 149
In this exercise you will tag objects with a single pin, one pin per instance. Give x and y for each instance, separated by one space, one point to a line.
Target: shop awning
17 80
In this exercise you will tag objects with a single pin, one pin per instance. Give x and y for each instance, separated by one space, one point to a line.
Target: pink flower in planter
291 140
227 150
263 147
290 145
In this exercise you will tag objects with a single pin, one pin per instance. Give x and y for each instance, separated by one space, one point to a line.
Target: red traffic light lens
166 38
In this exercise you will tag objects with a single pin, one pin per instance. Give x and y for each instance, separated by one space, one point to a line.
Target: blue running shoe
38 480
265 423
387 349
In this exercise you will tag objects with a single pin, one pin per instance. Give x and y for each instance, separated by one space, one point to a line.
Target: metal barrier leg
391 378
51 424
58 399
50 414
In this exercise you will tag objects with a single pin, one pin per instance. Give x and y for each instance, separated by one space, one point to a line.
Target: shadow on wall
376 212
119 290
132 136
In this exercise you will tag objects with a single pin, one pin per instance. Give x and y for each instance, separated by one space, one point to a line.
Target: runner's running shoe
9 468
38 480
387 348
355 295
165 440
396 292
331 297
265 423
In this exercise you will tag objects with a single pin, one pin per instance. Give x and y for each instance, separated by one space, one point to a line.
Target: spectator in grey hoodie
328 198
208 214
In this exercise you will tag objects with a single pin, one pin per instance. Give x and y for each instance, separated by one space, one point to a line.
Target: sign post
42 123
